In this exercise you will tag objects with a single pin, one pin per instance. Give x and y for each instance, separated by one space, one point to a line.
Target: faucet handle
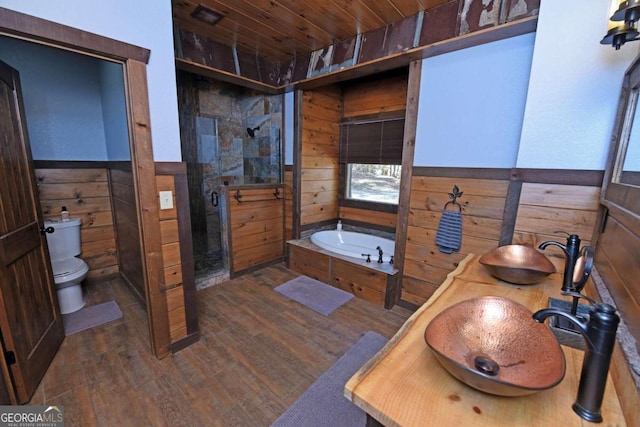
579 295
582 269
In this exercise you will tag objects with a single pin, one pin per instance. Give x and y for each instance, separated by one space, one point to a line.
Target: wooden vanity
404 385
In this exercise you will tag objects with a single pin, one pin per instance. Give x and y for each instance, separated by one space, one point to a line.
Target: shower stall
229 136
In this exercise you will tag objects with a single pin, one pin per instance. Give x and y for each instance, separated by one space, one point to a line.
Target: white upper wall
473 101
61 92
573 89
144 23
569 104
471 105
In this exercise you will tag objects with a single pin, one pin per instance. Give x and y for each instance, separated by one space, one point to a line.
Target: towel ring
455 193
453 203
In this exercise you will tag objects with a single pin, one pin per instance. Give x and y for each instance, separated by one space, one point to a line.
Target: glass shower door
203 173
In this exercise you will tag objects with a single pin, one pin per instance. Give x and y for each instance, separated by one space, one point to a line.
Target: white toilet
68 271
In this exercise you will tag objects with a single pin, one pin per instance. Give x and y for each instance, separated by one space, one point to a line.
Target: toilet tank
64 242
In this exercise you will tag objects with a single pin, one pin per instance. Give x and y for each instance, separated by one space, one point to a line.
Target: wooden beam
408 149
203 70
147 204
37 29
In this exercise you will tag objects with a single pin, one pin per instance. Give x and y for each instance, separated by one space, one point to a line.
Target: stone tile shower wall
261 154
214 117
240 158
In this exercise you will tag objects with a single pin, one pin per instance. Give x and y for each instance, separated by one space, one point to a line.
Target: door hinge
10 357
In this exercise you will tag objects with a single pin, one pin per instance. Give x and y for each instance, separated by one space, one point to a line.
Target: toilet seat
68 270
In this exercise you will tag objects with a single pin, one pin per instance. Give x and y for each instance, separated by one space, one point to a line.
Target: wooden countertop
404 385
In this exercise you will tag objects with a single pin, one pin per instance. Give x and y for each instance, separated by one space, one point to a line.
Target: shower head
252 132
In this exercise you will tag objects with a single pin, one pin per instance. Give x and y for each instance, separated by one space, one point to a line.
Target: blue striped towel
449 234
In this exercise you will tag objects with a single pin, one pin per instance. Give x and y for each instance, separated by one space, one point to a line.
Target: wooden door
30 321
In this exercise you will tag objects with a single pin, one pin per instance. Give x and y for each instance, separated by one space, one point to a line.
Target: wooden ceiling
279 30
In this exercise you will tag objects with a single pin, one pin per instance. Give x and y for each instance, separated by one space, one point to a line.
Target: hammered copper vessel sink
493 345
517 264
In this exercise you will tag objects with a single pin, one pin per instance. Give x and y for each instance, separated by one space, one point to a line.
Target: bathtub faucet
379 249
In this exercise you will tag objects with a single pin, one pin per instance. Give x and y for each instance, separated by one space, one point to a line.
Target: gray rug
89 317
323 404
316 295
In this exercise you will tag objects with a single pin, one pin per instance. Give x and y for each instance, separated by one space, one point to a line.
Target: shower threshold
211 278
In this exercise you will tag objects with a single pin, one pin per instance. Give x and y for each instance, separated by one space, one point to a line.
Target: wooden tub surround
404 385
373 282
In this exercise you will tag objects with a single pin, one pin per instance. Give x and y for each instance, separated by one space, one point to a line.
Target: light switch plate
166 200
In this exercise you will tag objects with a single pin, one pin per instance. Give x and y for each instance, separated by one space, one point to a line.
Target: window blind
372 142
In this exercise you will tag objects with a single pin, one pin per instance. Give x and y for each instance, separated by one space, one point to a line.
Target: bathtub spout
379 249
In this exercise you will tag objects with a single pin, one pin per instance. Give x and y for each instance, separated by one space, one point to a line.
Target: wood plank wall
85 193
386 220
127 229
256 231
177 256
375 96
617 260
541 205
546 209
371 98
483 202
319 150
172 262
103 198
322 111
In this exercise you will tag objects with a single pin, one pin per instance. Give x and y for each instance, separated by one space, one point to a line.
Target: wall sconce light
623 23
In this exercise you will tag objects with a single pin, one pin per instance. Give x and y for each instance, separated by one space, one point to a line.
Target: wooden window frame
374 119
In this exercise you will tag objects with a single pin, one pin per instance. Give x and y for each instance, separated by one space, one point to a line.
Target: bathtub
351 244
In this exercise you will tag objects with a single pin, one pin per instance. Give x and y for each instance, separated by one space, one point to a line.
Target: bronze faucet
599 333
571 251
379 249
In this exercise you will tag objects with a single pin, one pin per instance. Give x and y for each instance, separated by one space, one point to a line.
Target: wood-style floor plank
259 351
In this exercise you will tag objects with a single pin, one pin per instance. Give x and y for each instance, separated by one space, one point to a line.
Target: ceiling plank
279 31
279 20
251 37
359 11
243 43
326 15
386 10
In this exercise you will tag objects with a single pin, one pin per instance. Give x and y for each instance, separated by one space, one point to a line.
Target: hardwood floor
259 351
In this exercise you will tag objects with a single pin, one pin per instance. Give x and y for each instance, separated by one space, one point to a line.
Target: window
371 155
373 183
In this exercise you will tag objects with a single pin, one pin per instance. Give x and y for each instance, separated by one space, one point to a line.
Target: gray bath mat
323 404
89 317
316 295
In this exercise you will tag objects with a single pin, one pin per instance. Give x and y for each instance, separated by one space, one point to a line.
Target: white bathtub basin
355 245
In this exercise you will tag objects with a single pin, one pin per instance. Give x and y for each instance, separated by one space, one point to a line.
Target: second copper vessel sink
517 264
493 345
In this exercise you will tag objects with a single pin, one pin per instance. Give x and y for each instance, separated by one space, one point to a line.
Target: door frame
134 60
